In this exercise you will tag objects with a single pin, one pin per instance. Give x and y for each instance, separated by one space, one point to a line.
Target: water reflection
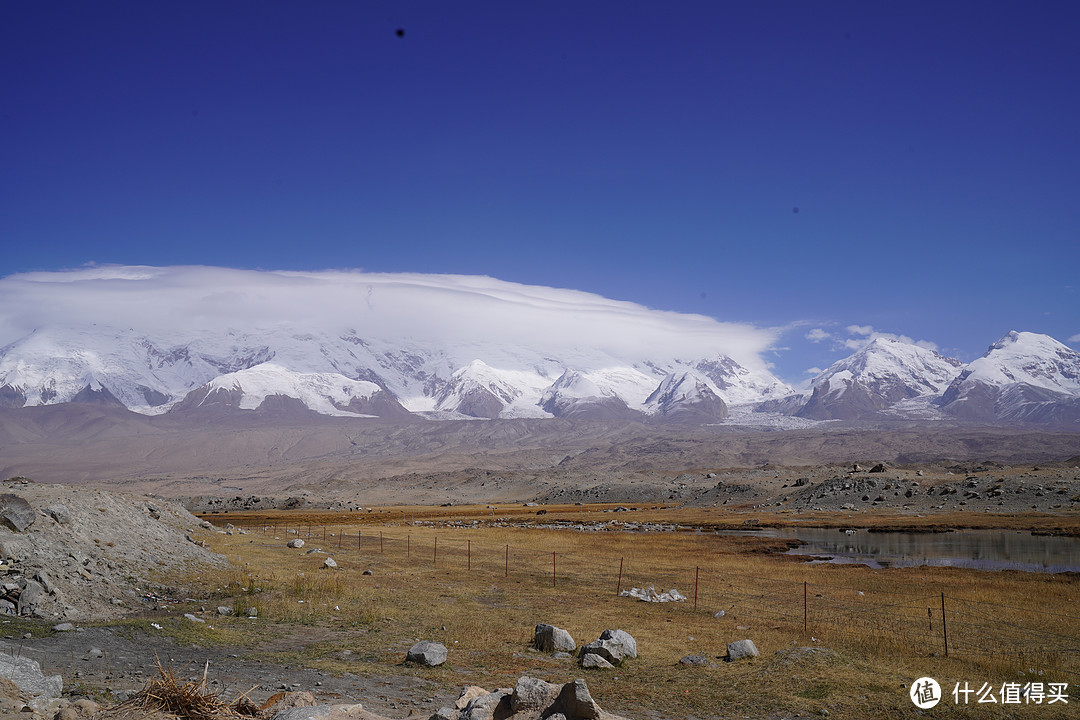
978 549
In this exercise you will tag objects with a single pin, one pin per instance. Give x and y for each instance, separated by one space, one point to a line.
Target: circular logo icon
925 693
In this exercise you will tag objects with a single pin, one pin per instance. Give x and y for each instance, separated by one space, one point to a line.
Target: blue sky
832 168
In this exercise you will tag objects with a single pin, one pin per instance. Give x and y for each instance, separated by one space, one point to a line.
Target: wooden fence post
697 574
618 586
944 627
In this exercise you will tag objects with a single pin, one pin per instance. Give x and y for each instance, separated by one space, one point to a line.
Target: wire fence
939 623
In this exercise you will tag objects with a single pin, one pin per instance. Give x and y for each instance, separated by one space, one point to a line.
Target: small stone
693 660
330 563
295 543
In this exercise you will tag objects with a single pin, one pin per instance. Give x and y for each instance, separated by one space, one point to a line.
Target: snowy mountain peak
252 388
1024 376
881 374
686 395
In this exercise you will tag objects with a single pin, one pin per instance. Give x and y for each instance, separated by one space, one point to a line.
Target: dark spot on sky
400 32
795 209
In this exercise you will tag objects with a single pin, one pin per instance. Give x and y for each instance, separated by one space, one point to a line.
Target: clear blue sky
914 167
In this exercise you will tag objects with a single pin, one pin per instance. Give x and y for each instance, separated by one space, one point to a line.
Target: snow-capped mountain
1023 377
593 395
270 386
159 340
876 378
334 374
686 396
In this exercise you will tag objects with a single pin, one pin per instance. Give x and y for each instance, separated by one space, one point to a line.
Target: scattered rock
613 646
533 695
548 638
15 513
327 712
295 543
741 649
650 594
224 610
59 513
329 563
594 661
623 638
693 660
427 653
26 674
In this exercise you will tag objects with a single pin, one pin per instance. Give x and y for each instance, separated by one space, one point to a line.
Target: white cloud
868 335
457 310
817 335
1074 338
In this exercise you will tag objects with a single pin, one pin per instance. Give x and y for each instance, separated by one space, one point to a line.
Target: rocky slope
79 554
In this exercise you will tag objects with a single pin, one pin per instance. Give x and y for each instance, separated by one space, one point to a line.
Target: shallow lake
977 549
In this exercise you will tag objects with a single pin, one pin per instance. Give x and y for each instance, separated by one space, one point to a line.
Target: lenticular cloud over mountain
452 309
189 339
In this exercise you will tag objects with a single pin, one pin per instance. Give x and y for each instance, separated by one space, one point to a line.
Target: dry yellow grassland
480 589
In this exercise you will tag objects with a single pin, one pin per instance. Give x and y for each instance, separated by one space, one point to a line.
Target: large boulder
741 649
531 699
427 653
623 638
610 651
328 712
593 661
532 695
489 707
549 638
26 674
613 646
15 513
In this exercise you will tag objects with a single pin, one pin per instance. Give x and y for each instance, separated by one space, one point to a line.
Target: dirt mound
90 554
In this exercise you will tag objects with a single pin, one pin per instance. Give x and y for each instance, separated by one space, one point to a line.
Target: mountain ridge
1023 378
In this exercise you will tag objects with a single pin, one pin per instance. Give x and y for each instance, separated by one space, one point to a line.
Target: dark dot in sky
795 209
400 32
